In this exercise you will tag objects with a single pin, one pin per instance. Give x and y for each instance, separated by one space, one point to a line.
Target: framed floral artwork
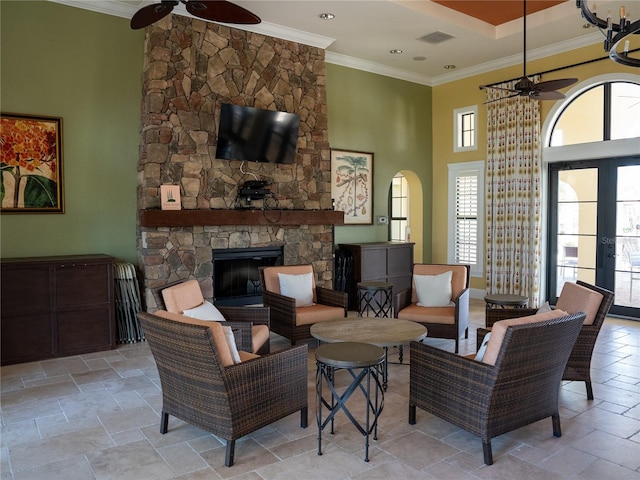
352 185
31 164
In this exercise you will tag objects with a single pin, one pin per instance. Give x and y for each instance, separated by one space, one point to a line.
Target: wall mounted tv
257 135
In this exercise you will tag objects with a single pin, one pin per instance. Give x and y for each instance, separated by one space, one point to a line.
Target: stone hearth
191 67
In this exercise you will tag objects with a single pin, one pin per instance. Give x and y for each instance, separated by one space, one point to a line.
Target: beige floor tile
134 461
29 409
43 452
19 432
88 404
182 458
568 462
395 469
94 376
609 422
418 450
249 456
292 448
609 447
61 366
333 464
510 468
447 471
602 469
178 432
122 420
74 468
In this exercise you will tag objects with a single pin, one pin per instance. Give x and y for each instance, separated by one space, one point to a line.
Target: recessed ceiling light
449 67
327 16
395 51
419 58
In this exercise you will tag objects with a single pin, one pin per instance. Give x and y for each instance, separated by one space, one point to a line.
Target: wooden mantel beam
189 218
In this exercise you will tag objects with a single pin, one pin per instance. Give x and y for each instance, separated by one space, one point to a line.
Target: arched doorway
406 211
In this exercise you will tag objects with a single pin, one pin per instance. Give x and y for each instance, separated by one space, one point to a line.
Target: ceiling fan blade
548 95
152 13
550 85
221 11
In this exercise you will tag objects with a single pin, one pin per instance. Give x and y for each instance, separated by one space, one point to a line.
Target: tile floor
96 416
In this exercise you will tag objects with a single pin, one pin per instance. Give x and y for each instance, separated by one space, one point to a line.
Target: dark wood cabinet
56 306
390 262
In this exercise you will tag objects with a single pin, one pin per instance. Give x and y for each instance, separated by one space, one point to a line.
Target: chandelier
616 40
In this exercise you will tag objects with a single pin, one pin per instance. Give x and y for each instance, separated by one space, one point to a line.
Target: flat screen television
257 135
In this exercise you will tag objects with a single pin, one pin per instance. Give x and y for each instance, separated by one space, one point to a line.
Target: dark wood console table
390 262
56 306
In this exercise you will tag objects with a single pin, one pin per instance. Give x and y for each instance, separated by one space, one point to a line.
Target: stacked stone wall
191 68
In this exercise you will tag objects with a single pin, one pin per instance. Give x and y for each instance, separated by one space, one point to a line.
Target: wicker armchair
250 324
294 322
489 400
579 364
451 321
231 401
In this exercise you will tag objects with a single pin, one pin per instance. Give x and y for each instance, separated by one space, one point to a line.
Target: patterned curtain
513 194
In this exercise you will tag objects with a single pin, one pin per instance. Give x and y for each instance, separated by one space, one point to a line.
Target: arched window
398 208
608 111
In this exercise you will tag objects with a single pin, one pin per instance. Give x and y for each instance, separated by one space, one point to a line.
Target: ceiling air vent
436 37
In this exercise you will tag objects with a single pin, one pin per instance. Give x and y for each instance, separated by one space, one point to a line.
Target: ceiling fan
215 10
525 87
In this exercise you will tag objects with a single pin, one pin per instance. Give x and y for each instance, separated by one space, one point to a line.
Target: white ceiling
364 31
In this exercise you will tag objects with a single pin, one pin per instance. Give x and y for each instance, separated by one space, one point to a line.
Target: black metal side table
363 362
375 297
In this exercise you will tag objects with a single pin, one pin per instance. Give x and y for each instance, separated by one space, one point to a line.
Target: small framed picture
170 197
352 185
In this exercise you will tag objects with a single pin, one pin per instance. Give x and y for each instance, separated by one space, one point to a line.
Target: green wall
85 67
392 119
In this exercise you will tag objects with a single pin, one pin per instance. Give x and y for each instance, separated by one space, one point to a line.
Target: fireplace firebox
236 279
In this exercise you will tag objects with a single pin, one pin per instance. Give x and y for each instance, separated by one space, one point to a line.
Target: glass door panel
627 240
577 226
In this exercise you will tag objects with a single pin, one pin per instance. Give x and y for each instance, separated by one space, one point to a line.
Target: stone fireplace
191 67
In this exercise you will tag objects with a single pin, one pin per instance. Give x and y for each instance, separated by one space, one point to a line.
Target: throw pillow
299 287
206 311
231 341
433 290
483 347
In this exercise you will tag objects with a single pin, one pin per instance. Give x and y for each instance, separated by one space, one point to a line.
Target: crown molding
372 67
291 34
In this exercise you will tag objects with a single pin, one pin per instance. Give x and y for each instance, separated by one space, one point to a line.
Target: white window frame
457 170
458 114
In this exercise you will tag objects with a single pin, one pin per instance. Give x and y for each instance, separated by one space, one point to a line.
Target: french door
594 228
